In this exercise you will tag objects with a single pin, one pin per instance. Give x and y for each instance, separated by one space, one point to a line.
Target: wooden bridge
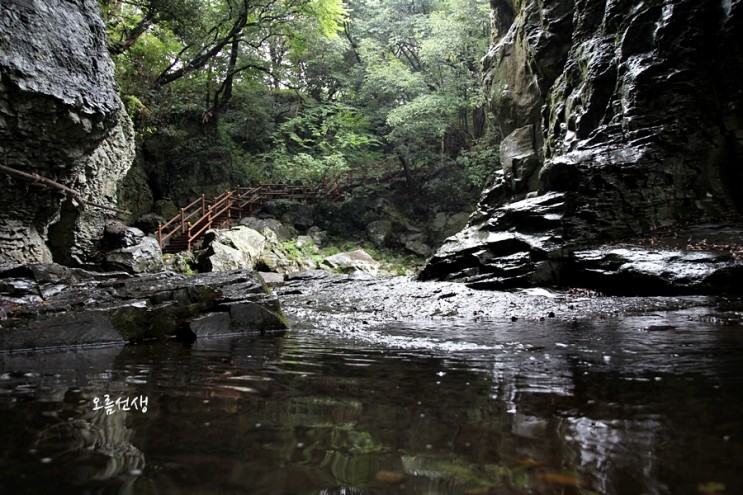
182 231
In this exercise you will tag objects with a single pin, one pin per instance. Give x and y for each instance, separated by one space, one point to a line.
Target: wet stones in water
87 308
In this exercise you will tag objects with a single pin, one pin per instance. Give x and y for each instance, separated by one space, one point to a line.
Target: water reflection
638 405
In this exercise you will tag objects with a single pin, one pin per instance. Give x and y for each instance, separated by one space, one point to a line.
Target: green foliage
302 90
329 14
422 77
134 106
479 163
427 116
319 142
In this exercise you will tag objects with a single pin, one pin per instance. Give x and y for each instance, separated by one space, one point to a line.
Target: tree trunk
478 120
409 180
124 44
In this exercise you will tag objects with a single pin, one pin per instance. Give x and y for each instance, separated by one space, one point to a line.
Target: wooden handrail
244 199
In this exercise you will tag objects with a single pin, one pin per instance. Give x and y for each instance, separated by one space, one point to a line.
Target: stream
639 404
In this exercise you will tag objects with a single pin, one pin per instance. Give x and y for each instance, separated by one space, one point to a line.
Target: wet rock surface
617 119
48 305
130 250
700 259
60 117
353 303
352 262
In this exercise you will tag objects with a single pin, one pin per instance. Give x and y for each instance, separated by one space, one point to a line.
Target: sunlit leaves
430 114
321 141
330 15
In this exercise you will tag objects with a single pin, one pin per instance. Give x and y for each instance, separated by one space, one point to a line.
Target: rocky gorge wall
60 117
617 118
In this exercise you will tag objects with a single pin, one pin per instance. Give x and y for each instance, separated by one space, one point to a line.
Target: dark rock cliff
60 117
618 118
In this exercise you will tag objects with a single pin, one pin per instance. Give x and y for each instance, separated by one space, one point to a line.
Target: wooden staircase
182 231
185 229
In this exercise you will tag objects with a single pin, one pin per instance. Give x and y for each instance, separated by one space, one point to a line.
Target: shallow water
636 405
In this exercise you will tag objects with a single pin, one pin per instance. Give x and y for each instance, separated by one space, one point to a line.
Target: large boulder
268 227
236 248
244 248
635 270
143 257
117 235
618 119
379 232
352 262
61 118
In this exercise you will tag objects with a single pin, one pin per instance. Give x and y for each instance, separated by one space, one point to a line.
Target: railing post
160 235
183 221
203 205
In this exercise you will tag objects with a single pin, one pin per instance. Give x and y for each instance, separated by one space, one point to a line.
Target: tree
421 83
338 86
224 38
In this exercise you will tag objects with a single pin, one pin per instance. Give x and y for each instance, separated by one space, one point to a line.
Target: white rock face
352 261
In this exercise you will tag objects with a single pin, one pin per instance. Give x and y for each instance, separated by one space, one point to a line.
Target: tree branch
36 178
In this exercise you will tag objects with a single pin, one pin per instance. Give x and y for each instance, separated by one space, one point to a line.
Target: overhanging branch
35 178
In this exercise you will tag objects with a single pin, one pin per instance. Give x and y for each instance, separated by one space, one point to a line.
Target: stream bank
50 306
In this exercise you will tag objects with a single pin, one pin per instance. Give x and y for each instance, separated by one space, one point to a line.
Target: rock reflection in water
48 420
607 407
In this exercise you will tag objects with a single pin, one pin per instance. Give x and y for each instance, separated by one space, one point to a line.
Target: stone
212 325
298 215
418 247
145 257
582 93
93 309
271 278
238 318
149 222
219 257
352 262
520 159
165 208
183 262
261 225
231 249
379 232
306 242
265 315
634 270
318 235
60 117
455 223
117 235
439 222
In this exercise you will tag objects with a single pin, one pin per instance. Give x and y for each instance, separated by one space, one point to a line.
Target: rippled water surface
639 405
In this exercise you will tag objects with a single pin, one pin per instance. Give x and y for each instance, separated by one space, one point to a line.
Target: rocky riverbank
618 119
51 306
701 258
360 300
